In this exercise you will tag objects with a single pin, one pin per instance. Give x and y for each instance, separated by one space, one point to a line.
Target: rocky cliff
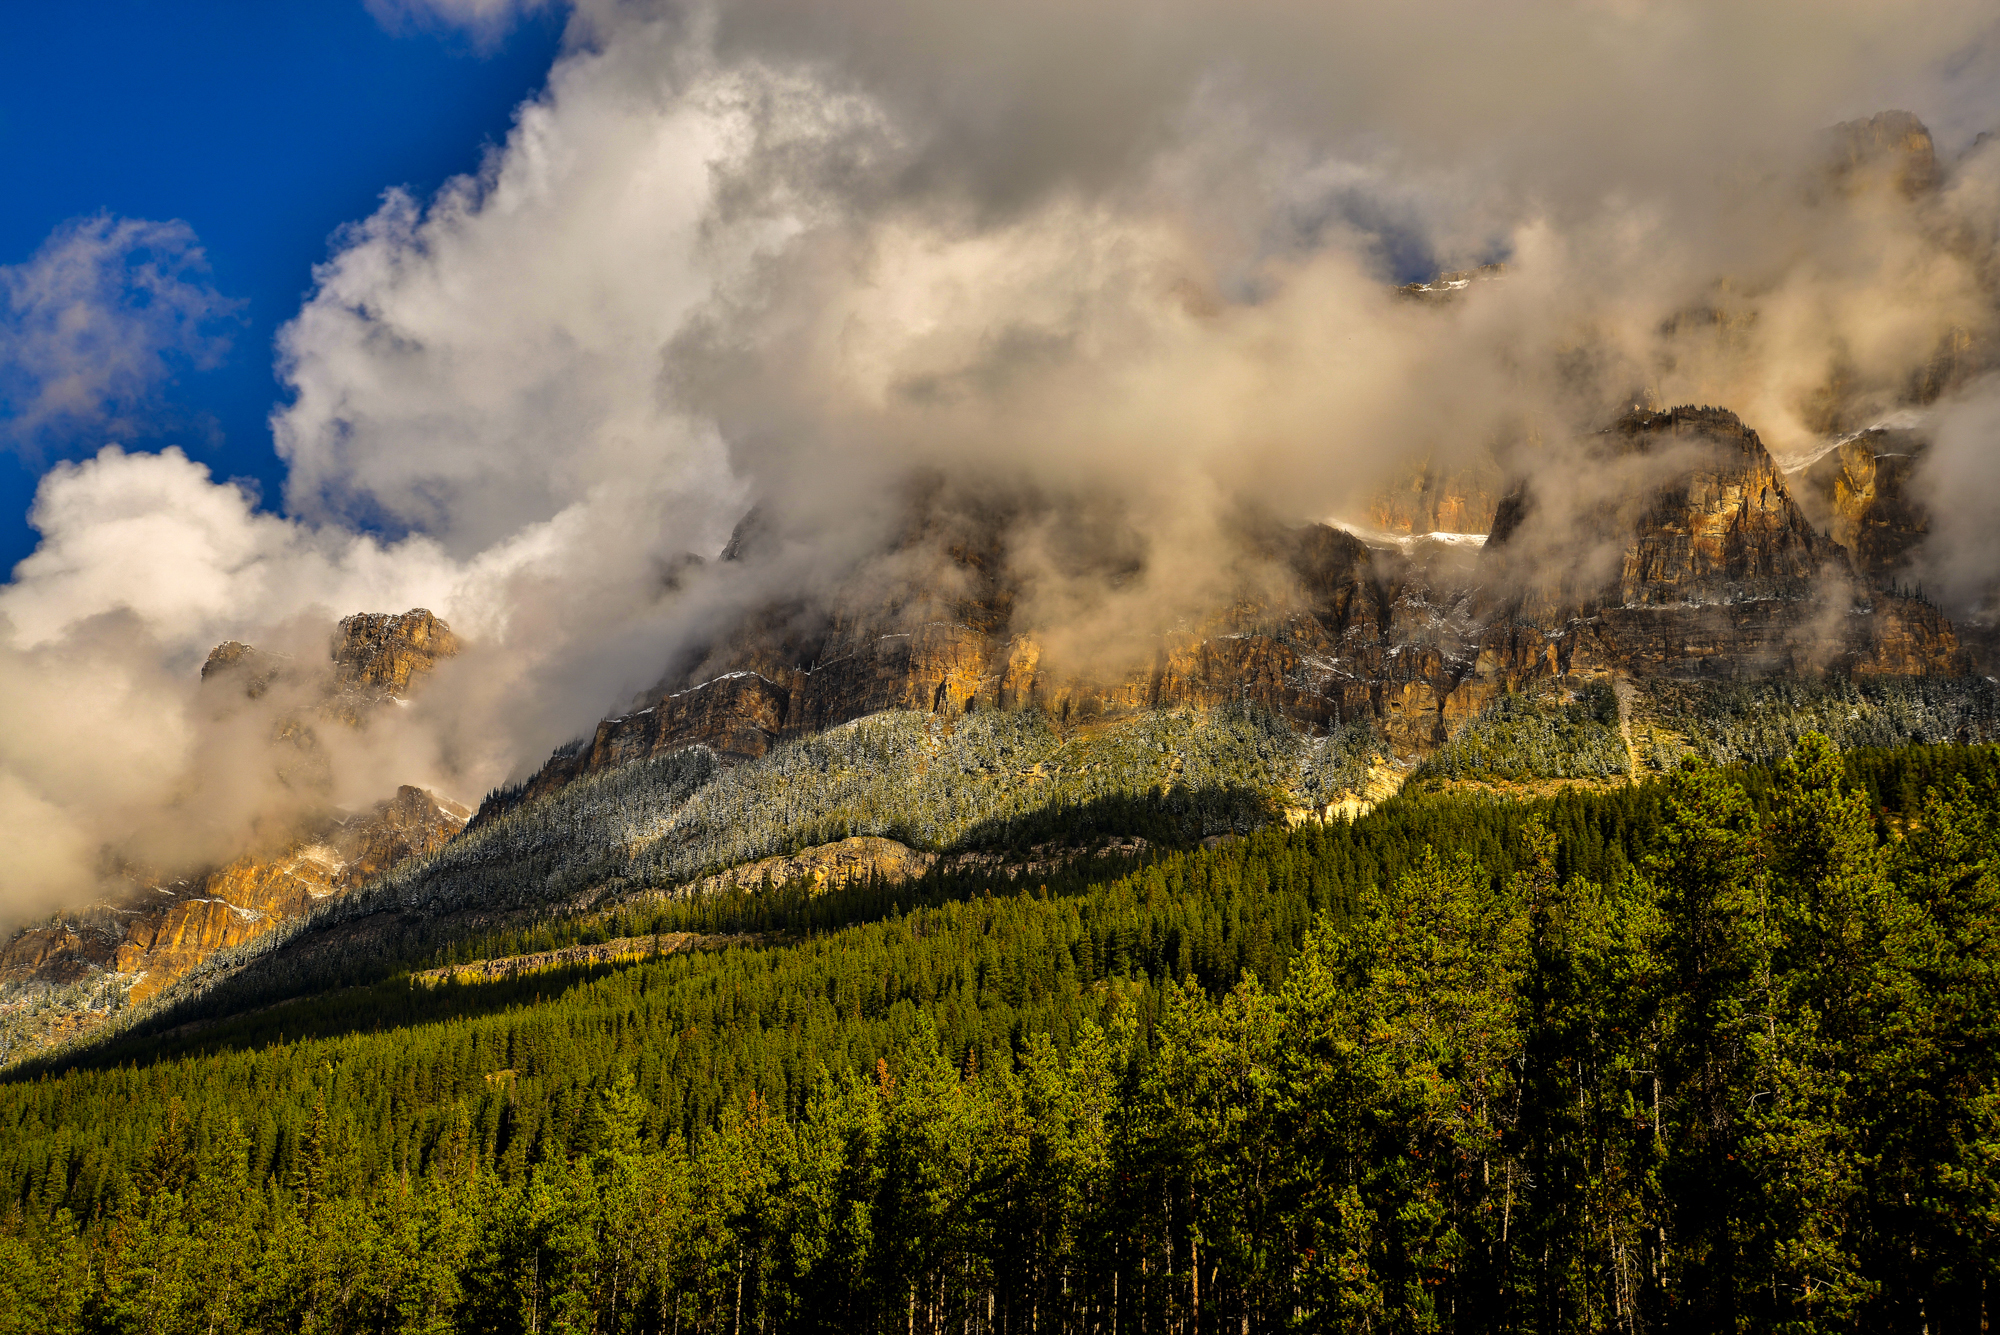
1859 494
1715 572
1889 150
127 950
66 975
1708 569
1460 497
376 657
373 659
378 654
1350 633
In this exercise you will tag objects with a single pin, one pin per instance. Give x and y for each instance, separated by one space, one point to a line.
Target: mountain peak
1891 148
381 651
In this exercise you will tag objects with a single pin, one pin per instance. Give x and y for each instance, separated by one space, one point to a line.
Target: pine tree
1711 964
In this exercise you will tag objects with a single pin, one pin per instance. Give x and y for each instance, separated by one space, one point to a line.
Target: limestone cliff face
167 925
1342 632
1860 495
244 666
1724 529
165 929
377 658
374 652
1429 498
250 896
373 659
1709 569
1718 572
1889 150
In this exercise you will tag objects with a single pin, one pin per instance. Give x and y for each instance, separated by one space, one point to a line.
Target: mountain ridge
1720 572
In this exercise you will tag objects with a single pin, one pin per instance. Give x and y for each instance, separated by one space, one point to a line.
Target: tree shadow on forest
1172 818
392 1003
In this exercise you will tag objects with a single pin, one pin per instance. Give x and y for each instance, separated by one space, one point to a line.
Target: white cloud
1127 252
1959 481
480 364
95 321
107 743
152 537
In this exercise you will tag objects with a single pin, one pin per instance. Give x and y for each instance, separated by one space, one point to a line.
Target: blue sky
264 125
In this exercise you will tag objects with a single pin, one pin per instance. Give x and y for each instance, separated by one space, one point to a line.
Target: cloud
1958 480
487 21
108 750
1114 270
112 752
1565 100
102 315
476 365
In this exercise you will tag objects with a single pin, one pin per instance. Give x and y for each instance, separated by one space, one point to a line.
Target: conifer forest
1719 1050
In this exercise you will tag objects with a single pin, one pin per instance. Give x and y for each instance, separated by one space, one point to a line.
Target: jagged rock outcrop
1859 494
1717 572
375 652
1702 517
1360 633
246 667
373 658
167 928
167 925
1891 149
377 657
1723 529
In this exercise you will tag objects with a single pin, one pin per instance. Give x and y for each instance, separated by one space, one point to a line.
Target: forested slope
1709 1053
1002 781
991 782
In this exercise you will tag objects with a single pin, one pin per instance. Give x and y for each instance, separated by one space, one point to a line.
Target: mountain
1712 571
1111 1097
1859 494
1891 149
1674 592
1433 498
1702 610
62 977
1345 941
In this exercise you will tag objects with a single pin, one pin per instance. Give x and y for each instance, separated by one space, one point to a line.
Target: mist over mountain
1178 666
1062 327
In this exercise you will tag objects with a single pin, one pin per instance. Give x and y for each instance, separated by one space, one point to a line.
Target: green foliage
30 1009
1543 733
993 780
1718 1053
990 780
984 780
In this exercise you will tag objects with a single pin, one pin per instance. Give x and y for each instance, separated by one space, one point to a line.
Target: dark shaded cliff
1859 493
